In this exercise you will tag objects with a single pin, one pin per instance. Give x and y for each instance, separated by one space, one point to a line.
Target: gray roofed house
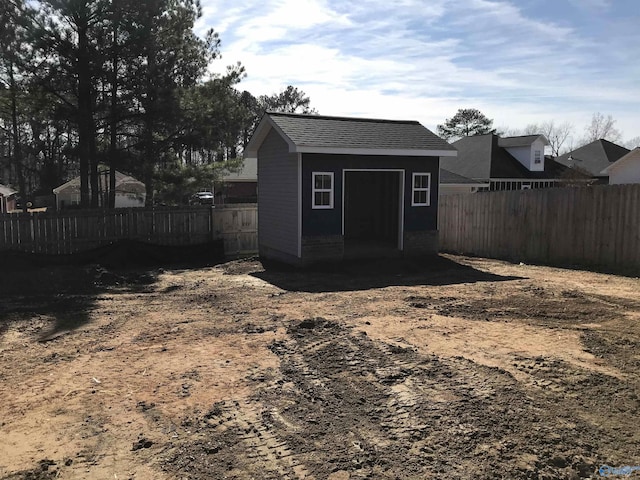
7 199
129 191
506 163
624 170
239 186
592 158
336 187
452 183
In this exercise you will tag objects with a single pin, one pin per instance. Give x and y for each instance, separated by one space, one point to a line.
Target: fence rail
559 226
72 231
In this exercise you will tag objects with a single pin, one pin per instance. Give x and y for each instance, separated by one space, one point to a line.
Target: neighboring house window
420 190
537 156
322 190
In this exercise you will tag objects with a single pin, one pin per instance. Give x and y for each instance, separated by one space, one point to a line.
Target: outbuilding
331 188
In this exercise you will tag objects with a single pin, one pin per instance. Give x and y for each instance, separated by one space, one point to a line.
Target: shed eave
374 151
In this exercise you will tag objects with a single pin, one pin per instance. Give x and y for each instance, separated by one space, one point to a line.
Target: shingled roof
124 184
593 157
6 191
483 157
450 178
364 136
520 141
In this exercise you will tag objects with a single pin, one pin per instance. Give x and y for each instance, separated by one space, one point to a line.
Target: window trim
537 157
415 189
315 190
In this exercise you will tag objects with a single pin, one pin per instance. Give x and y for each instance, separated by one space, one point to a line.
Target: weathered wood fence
74 231
598 226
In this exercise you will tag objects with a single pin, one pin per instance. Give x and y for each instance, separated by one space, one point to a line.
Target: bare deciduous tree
601 127
556 133
632 143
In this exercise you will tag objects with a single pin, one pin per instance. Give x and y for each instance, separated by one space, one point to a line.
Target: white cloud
592 4
410 61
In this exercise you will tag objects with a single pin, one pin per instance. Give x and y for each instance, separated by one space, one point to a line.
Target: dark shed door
371 206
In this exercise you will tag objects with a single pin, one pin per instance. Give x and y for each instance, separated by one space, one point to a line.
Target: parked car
203 198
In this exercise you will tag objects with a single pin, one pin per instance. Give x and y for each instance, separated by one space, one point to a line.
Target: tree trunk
17 146
113 127
150 120
86 128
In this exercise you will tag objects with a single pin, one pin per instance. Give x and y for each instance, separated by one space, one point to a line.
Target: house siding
277 199
68 199
329 222
526 155
627 172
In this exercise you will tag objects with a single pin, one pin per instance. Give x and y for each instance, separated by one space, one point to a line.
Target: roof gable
6 191
124 184
633 155
593 157
344 135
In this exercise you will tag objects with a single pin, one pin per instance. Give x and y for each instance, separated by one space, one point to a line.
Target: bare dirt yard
452 367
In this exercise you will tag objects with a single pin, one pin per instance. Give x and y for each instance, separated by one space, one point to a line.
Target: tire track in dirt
346 404
265 451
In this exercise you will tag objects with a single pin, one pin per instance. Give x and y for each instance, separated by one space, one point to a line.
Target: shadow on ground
49 295
366 274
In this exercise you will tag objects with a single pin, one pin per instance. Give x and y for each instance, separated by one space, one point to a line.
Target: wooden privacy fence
72 231
237 225
558 226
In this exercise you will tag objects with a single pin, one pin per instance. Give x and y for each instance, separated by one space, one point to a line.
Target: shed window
322 190
420 191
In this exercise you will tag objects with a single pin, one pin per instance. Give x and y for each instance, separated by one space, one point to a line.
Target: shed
331 188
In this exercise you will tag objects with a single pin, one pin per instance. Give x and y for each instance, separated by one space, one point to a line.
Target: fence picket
73 231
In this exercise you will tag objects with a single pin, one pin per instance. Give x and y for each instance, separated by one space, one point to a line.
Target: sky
518 62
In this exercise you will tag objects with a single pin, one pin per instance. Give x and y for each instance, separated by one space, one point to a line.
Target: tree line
124 84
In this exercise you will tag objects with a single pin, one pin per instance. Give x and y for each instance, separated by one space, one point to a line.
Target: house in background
129 192
333 187
241 186
452 183
7 199
593 159
510 163
624 170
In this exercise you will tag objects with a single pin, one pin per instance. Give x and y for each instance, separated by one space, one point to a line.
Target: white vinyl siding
420 189
322 190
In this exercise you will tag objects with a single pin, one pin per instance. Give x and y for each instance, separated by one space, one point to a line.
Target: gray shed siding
277 199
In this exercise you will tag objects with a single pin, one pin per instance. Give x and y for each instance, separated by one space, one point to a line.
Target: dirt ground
445 368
